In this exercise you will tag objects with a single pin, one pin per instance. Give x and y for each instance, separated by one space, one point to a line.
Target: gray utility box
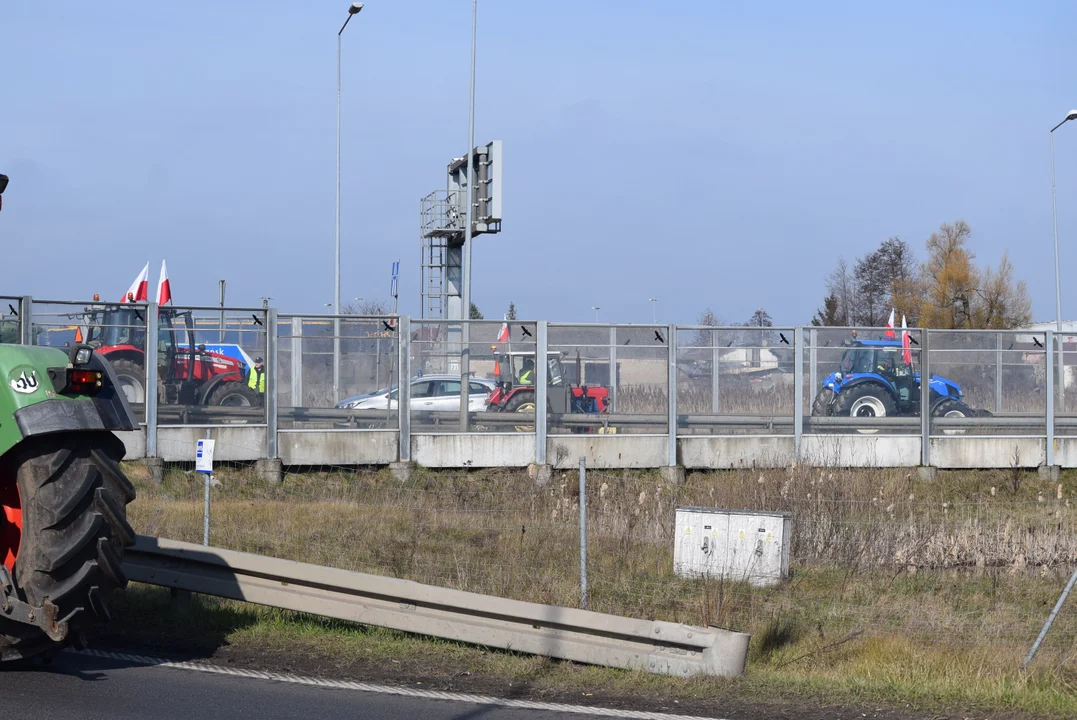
732 544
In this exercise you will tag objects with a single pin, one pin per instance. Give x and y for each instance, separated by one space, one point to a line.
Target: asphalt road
77 686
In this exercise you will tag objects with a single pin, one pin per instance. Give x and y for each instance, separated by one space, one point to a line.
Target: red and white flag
906 348
164 288
503 333
890 324
139 290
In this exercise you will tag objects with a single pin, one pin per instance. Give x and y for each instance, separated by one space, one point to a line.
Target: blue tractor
875 381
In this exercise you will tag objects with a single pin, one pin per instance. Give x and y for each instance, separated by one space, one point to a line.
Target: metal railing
664 381
579 635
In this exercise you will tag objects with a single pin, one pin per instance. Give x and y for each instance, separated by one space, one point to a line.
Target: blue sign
396 275
228 350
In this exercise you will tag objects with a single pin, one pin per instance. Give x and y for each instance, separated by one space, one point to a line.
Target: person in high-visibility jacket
527 375
256 379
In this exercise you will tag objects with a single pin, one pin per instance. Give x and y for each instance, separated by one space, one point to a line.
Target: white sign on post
203 457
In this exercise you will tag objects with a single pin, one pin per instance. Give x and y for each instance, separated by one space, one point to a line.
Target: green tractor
63 496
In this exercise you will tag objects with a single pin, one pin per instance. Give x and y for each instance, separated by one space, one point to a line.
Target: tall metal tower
442 216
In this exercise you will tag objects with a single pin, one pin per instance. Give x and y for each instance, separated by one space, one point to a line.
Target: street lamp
1072 115
353 9
596 308
465 269
654 310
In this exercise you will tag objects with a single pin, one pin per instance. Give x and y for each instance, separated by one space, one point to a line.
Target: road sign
203 457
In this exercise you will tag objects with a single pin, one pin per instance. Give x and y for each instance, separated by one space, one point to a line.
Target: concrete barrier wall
860 450
235 443
239 443
340 447
989 452
608 451
481 450
701 453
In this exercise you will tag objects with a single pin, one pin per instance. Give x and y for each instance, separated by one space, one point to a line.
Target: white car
433 393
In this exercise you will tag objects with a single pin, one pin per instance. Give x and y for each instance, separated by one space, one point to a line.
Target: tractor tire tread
74 497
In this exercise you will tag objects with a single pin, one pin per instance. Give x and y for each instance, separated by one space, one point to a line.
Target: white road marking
387 689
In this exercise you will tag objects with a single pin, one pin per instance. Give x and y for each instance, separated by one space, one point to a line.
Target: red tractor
188 375
516 390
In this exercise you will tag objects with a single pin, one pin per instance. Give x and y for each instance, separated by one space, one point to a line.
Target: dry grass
888 571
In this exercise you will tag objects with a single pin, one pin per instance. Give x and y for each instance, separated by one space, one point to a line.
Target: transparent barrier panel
861 380
612 379
312 396
10 327
117 331
500 396
212 366
988 383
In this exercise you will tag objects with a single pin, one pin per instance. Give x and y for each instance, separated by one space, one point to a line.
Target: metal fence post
26 320
1049 414
403 404
613 370
925 400
1050 618
715 366
583 532
297 362
272 377
798 389
152 360
998 373
813 361
671 347
205 510
541 352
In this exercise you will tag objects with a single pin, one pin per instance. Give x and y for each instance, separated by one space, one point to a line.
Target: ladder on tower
434 250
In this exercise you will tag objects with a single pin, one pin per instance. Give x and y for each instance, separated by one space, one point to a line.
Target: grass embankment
901 592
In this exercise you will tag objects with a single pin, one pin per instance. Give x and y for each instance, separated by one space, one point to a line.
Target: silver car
429 393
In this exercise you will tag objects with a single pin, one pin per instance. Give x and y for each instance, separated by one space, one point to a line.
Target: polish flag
890 324
139 290
906 348
164 288
503 334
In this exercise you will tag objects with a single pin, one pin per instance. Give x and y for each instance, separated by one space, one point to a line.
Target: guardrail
565 633
350 418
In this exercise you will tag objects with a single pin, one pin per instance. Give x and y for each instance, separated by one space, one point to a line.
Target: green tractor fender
37 396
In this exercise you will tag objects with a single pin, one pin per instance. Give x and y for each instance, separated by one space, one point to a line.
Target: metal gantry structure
442 229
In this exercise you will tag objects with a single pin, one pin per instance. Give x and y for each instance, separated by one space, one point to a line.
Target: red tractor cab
188 375
515 390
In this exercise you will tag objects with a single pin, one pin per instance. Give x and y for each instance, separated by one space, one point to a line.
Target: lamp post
654 310
1071 115
596 308
353 9
465 281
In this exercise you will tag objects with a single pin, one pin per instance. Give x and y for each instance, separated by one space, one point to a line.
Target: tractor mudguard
32 379
207 389
867 378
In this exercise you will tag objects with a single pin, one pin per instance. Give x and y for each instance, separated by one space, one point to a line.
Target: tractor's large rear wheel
132 380
64 527
521 402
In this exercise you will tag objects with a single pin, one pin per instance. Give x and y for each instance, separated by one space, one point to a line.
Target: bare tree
1001 303
511 314
760 318
368 307
839 286
707 318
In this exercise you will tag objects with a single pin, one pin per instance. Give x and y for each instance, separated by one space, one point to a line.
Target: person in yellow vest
256 379
527 375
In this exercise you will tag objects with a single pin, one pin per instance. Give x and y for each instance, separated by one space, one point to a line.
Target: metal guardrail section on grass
566 633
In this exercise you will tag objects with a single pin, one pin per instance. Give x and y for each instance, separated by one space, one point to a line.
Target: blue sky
705 153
